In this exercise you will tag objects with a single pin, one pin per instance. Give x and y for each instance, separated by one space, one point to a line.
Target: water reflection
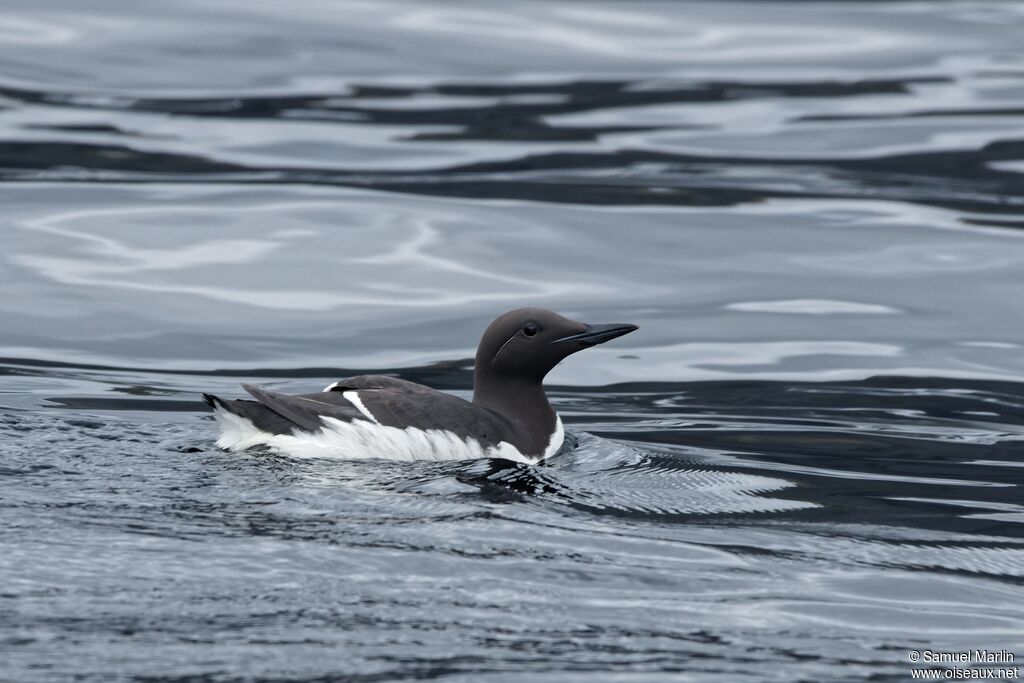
804 465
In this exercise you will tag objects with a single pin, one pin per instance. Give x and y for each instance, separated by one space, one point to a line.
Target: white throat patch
556 440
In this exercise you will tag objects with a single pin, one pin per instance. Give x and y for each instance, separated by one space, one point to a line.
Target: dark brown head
528 342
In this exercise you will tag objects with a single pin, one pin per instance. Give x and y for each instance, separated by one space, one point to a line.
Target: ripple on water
703 517
807 465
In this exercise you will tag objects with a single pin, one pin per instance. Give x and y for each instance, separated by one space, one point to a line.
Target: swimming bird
376 416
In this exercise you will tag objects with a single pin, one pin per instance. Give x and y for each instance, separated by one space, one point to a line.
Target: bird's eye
530 330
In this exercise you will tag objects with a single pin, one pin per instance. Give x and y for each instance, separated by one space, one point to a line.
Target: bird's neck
519 400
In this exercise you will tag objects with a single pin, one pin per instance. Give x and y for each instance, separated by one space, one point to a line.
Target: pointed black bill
598 334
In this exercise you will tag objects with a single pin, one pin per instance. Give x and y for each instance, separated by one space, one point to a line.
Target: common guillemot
375 416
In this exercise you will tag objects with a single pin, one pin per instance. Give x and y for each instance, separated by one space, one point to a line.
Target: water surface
804 465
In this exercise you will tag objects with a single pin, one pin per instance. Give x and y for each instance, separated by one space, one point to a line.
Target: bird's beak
598 334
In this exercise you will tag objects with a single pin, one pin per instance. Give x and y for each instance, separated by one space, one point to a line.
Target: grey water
806 464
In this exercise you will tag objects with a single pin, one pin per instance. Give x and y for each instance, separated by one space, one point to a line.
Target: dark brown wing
389 401
427 408
377 382
306 410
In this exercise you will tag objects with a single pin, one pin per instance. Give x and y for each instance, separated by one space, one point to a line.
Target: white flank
360 440
330 387
354 399
236 432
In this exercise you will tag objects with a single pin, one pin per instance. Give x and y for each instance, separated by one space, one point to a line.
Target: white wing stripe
353 397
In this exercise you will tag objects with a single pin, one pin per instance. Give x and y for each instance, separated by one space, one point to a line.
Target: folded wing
387 401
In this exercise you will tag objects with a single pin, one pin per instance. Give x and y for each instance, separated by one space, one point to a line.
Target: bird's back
369 416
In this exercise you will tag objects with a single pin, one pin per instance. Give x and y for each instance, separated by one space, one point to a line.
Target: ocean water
805 466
